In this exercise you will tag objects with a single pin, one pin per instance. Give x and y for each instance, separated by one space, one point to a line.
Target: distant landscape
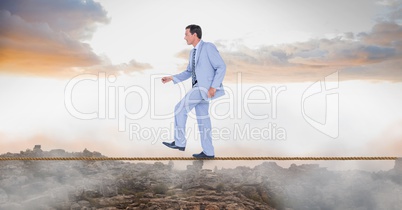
144 185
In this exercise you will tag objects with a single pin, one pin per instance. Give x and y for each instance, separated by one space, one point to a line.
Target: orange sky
54 39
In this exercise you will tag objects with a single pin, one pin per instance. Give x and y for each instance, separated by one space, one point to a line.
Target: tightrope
186 158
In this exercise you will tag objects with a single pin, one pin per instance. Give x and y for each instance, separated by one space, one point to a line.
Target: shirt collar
198 45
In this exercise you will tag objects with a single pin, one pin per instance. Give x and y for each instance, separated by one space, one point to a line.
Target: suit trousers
193 99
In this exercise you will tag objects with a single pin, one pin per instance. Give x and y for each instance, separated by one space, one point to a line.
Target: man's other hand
211 92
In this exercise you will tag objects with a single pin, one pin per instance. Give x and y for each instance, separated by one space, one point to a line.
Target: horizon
302 80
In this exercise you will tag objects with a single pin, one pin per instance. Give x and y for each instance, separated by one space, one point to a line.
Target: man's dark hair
195 29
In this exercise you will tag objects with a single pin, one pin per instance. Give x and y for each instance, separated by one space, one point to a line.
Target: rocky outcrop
176 199
123 185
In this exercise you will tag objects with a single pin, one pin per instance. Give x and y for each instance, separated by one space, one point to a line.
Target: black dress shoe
173 146
202 155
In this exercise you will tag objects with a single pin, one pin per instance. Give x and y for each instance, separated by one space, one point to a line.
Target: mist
164 185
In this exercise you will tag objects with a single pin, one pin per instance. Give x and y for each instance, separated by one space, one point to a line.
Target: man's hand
211 92
167 79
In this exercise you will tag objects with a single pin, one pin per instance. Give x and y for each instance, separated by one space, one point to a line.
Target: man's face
190 38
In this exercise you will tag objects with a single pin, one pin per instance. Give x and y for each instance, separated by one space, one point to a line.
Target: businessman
206 70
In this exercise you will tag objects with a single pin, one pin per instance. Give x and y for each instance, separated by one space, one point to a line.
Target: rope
189 158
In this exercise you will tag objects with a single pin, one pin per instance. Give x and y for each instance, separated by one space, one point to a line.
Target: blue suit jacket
210 70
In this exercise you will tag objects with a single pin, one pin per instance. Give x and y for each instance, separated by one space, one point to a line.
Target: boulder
84 203
211 207
75 206
37 149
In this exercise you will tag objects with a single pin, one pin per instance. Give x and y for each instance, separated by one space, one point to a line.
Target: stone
37 148
211 207
87 153
57 152
198 164
75 206
84 203
232 206
148 195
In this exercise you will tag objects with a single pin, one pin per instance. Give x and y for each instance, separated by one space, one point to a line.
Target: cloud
48 38
78 18
388 2
384 34
44 37
36 48
122 68
373 55
133 65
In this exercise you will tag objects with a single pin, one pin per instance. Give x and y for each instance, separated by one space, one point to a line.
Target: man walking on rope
207 70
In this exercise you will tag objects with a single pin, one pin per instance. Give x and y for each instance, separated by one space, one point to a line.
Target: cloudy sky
304 78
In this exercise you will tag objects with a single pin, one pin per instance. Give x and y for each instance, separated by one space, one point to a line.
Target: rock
57 152
37 149
148 195
75 206
154 207
158 166
211 207
108 190
170 165
233 206
123 185
87 153
84 203
197 165
92 194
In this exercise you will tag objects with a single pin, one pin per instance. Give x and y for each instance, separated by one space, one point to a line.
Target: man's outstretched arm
182 76
167 79
178 77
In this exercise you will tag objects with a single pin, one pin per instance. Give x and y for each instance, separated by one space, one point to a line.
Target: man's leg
189 101
204 126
